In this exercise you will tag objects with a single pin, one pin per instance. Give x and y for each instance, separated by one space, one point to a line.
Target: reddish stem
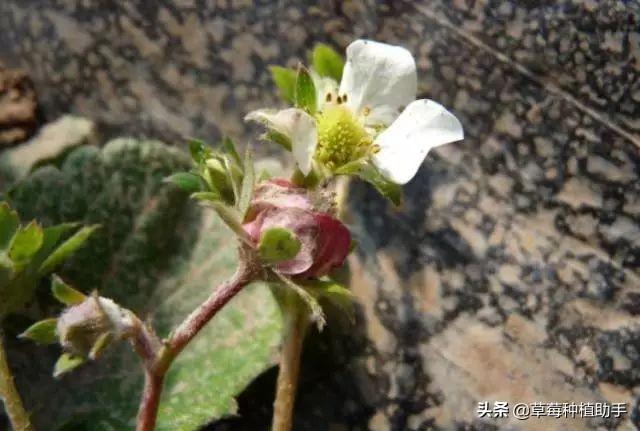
158 362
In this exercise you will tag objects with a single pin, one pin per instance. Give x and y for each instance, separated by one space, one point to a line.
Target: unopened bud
89 327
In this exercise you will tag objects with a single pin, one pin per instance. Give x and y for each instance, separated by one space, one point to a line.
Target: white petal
323 86
423 125
379 77
298 126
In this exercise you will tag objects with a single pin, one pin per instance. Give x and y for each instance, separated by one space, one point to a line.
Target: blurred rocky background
512 273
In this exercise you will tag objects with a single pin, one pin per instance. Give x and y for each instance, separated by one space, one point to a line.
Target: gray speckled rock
512 273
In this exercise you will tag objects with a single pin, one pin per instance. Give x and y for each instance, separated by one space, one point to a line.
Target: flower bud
324 240
87 328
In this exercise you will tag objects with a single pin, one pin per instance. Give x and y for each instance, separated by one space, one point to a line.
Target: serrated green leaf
42 332
66 249
305 91
285 80
248 183
66 294
9 223
327 62
369 173
26 242
278 244
186 181
66 363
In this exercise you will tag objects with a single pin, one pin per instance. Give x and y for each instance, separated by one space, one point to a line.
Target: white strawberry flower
373 114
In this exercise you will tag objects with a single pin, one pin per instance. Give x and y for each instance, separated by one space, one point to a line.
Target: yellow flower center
341 137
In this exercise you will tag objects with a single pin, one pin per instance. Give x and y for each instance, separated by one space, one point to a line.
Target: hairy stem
9 393
156 369
296 322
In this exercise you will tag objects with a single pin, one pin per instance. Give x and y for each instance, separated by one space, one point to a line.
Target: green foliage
26 242
28 253
157 255
66 363
333 292
248 183
327 62
305 91
187 181
66 249
66 294
368 172
278 244
42 332
285 80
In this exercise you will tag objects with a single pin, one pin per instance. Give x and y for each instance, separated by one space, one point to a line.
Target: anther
328 98
339 100
366 111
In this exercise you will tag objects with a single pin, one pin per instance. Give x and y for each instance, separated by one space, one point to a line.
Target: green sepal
279 138
229 147
309 181
231 217
66 294
327 62
305 91
9 223
248 183
218 178
333 292
66 362
100 345
206 196
363 169
285 80
199 150
26 242
42 332
66 249
315 310
278 244
187 181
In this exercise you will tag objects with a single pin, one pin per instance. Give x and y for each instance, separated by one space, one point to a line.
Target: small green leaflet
285 80
66 362
327 62
248 182
65 293
186 181
42 332
26 242
305 91
369 173
66 249
9 223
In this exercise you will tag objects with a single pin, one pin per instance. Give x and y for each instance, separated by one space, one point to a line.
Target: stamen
366 111
344 98
375 148
328 98
339 100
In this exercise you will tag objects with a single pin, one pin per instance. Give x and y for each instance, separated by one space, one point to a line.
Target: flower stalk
158 360
295 326
18 416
